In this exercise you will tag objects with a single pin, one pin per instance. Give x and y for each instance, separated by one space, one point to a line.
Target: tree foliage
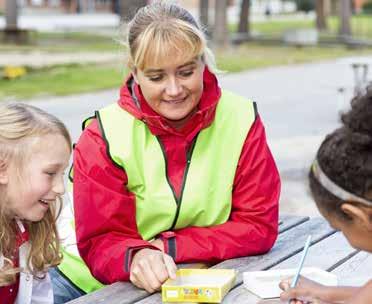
305 5
367 7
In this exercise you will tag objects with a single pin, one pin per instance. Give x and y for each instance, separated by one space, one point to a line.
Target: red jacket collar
156 123
22 233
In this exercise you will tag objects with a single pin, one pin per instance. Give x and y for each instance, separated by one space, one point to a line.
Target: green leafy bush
367 7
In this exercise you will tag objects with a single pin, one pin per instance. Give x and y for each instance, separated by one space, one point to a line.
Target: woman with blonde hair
176 171
34 152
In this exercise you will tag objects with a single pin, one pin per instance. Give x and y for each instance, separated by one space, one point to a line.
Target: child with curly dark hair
341 184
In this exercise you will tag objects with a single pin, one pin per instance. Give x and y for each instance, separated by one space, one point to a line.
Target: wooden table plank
355 271
116 293
288 244
241 295
280 252
122 292
323 254
125 292
287 222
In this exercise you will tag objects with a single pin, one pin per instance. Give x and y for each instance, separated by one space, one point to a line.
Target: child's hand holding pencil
306 291
300 290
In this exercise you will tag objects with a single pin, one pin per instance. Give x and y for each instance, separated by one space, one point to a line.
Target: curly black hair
345 156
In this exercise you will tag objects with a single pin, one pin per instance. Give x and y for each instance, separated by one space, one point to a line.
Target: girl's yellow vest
206 195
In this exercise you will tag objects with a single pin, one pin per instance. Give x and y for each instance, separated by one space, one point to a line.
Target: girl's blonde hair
18 124
162 31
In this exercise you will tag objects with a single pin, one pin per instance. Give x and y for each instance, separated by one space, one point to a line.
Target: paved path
299 106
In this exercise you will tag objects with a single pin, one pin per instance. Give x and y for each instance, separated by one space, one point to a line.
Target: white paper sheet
265 284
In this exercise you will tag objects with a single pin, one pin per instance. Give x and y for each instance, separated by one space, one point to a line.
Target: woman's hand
151 268
158 243
306 291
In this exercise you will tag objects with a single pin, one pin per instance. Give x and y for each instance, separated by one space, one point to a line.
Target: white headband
335 189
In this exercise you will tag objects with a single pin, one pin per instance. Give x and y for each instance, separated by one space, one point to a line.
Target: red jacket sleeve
106 229
253 224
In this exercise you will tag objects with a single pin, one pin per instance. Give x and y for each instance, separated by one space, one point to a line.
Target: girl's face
41 179
173 90
357 232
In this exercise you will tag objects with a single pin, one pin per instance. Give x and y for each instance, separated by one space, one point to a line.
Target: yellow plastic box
199 285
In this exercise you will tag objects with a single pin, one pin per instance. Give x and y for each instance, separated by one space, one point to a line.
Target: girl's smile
32 190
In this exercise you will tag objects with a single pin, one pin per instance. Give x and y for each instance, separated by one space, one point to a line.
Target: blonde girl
34 152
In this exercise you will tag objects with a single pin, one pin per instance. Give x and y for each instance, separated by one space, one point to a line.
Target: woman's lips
175 101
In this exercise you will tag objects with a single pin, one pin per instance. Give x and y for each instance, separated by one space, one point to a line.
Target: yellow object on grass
199 285
12 72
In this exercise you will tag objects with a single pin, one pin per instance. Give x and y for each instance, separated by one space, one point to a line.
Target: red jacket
105 216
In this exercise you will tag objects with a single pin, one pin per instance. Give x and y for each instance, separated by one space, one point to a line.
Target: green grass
279 26
73 79
93 42
361 26
66 42
61 80
252 56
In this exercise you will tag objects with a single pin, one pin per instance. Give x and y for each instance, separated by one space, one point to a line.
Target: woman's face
172 90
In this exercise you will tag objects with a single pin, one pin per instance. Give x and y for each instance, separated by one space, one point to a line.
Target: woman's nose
173 87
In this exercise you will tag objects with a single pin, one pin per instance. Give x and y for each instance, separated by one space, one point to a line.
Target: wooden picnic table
329 251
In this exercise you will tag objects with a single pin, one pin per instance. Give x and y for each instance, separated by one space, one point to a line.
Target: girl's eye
50 173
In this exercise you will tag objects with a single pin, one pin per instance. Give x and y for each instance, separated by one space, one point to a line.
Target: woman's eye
186 73
50 173
156 78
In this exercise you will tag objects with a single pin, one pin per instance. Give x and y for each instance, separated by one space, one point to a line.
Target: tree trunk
220 23
11 15
128 8
345 14
115 7
244 17
321 22
203 13
12 34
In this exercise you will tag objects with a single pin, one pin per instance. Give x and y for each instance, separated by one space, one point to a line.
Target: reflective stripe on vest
205 198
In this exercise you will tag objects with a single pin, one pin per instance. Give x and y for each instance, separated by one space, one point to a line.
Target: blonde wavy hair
163 30
18 124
